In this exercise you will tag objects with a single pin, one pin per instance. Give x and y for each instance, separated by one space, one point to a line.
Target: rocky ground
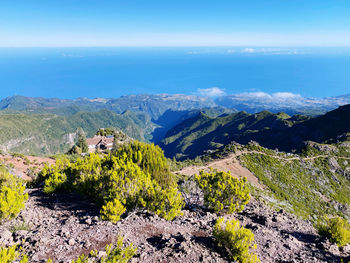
62 227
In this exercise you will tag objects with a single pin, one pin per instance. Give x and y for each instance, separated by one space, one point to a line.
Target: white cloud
286 95
211 92
272 51
280 96
248 50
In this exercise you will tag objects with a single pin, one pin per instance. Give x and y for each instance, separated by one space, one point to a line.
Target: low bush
114 254
237 240
12 195
12 254
223 192
117 182
151 160
336 229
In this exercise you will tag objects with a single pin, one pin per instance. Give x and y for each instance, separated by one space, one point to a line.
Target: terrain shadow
72 202
315 243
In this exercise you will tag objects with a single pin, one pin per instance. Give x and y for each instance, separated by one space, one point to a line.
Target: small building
100 143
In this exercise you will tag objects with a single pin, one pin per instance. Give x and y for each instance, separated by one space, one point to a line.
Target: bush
223 192
238 241
12 196
112 211
11 254
151 159
116 182
114 254
336 229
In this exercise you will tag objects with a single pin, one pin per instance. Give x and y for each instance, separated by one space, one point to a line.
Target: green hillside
308 187
152 105
195 135
200 133
45 134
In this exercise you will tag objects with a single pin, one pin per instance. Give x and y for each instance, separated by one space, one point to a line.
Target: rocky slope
61 227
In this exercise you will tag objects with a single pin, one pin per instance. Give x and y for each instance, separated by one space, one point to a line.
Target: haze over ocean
113 72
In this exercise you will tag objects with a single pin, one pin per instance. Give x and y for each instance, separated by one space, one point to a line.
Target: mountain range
201 133
156 104
47 125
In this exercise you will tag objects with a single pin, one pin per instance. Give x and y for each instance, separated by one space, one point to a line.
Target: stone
71 242
88 221
5 237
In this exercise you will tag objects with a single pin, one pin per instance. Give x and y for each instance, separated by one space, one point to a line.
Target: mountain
153 105
282 101
171 118
157 105
201 133
46 134
178 119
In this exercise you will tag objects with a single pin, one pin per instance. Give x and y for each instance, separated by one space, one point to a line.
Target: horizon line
195 95
178 46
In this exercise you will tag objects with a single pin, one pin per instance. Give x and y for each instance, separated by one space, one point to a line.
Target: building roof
100 140
107 141
94 141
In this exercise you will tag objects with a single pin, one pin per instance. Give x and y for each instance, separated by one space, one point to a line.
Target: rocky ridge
64 226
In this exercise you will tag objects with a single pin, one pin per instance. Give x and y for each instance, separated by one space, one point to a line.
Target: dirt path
228 164
232 164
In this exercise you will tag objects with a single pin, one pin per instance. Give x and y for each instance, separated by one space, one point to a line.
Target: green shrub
112 211
223 192
336 229
11 254
238 241
166 203
116 182
12 196
151 159
114 254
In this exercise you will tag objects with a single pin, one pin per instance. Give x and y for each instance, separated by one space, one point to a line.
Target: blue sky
174 23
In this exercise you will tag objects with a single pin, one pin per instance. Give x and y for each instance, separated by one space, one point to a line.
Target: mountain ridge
201 133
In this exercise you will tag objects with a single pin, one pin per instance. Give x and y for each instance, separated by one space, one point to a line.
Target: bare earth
228 164
24 166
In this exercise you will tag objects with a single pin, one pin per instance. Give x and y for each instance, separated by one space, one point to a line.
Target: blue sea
113 72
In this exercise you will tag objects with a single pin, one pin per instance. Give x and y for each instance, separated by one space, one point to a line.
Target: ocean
114 72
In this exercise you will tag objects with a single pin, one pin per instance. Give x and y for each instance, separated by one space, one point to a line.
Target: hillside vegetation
50 134
152 105
201 133
310 185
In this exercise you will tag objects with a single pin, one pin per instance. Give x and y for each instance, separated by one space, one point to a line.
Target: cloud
248 50
211 92
286 95
271 51
280 96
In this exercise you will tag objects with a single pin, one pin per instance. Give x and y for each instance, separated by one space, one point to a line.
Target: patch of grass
308 188
21 226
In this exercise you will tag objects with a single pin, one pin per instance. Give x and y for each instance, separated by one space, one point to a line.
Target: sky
77 23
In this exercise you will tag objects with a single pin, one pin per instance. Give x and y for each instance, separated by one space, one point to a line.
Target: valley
290 173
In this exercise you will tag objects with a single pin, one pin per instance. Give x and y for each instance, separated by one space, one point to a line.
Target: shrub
112 211
119 254
336 229
11 254
238 241
166 203
116 182
12 196
151 159
223 192
114 254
